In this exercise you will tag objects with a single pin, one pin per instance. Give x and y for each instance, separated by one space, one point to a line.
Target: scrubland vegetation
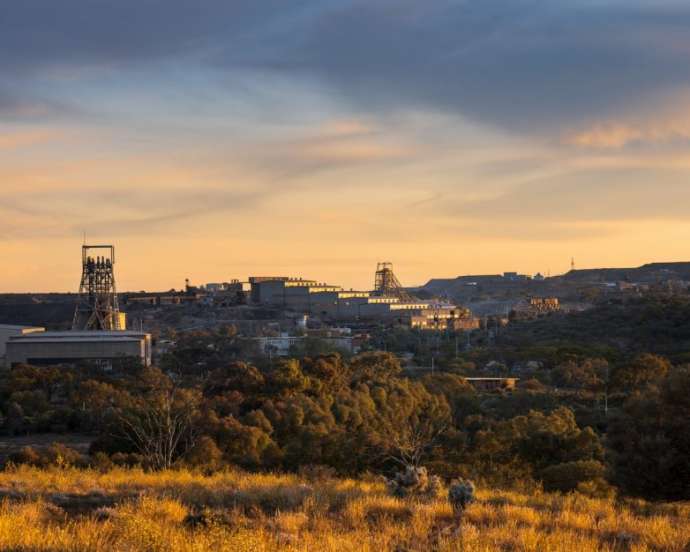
365 414
590 452
129 509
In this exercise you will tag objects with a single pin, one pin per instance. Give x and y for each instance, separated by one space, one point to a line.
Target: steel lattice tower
97 307
387 285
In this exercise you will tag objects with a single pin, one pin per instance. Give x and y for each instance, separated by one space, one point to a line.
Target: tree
590 374
650 440
567 476
205 454
14 419
414 427
644 370
375 366
528 446
161 427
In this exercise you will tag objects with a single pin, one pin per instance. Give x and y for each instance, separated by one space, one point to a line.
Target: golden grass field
69 509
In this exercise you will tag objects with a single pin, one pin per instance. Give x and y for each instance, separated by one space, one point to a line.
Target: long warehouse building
45 348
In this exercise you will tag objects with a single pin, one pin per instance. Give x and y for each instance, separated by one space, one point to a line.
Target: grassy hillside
65 509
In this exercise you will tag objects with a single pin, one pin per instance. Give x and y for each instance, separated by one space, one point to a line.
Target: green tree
650 440
645 369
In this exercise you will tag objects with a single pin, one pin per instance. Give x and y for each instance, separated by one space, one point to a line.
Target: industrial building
388 301
46 348
291 293
534 307
98 331
312 297
9 330
445 317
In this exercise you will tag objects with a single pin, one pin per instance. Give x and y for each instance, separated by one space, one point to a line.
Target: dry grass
126 510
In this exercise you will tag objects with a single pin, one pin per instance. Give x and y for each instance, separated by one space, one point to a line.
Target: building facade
46 348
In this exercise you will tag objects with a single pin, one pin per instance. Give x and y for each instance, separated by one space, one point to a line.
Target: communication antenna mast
97 307
387 285
572 263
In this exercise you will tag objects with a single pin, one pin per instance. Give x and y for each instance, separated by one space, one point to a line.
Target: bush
205 454
57 454
26 455
102 462
597 488
414 482
568 476
461 495
130 460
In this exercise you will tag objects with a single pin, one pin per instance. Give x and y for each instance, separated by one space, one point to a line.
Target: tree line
364 414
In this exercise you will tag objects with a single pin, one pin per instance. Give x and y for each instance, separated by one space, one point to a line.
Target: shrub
26 455
567 476
597 488
102 462
57 454
461 495
414 482
205 454
127 460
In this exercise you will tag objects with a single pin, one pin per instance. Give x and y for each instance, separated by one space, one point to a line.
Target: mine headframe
387 285
97 307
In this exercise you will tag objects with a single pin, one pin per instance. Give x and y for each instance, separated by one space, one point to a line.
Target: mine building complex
98 332
388 301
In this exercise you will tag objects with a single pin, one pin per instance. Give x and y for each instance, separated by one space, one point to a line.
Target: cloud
332 145
528 66
665 125
585 196
607 135
45 35
13 139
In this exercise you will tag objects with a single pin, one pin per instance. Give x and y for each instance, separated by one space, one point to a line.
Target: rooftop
76 339
80 336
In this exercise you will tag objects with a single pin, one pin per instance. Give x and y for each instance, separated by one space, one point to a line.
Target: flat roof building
9 330
46 348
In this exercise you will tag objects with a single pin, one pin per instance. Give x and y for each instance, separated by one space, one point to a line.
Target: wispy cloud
14 138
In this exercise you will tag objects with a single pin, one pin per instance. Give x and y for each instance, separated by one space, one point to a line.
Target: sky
221 139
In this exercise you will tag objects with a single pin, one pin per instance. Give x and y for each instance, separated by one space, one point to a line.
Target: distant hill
54 310
649 273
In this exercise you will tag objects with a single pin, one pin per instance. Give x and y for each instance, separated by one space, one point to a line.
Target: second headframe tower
387 285
97 307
